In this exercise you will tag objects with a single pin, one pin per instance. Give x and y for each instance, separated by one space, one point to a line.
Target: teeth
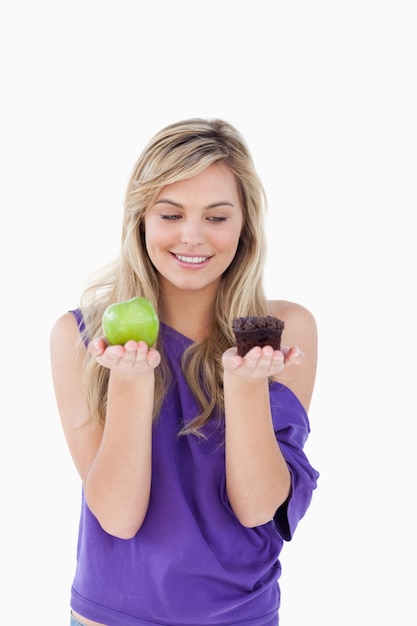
191 259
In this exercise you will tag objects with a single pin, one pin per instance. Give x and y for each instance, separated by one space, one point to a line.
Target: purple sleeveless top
192 563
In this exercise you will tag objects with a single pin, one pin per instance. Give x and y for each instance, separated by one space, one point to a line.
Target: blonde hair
180 151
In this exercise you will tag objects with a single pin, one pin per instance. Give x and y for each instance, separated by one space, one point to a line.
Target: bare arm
300 330
257 477
114 461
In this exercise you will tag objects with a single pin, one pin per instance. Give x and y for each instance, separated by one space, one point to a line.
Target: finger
134 348
294 356
115 353
154 358
278 359
97 347
231 360
267 358
135 352
252 358
131 346
130 355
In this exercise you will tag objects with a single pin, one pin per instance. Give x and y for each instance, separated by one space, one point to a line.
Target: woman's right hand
133 358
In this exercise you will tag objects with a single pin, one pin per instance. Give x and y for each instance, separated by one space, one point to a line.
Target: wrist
241 383
131 378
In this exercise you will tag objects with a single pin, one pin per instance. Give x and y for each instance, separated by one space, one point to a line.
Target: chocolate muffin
254 331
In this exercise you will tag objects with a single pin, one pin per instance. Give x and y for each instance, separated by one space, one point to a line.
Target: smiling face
192 230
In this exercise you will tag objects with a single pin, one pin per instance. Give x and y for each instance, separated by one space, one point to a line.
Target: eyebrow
178 205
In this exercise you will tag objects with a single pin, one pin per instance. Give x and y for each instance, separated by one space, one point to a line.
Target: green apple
132 319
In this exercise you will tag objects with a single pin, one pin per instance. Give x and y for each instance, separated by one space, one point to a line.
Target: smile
191 259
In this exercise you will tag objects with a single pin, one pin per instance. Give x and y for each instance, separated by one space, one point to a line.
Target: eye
170 217
217 219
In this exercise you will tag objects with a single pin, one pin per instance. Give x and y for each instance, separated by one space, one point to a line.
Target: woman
190 456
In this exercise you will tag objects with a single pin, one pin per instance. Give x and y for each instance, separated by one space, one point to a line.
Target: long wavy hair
180 151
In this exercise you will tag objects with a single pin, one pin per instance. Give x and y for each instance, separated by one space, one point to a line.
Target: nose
192 233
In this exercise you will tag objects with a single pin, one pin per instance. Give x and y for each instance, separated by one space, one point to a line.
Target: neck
188 312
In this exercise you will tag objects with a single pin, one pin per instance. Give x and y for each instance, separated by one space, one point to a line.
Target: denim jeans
75 622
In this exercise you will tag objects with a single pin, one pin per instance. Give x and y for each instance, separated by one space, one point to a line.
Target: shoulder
276 307
66 322
65 334
299 321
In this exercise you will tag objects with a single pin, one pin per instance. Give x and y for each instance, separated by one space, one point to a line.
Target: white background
325 94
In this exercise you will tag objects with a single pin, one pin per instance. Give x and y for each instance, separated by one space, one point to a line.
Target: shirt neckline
173 331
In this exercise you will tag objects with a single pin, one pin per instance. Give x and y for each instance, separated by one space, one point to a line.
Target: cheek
155 238
230 241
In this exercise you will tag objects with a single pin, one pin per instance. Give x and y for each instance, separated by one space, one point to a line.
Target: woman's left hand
261 362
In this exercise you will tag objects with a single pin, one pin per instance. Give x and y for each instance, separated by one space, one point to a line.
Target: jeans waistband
75 622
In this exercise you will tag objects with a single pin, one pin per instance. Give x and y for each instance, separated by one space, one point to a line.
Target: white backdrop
324 93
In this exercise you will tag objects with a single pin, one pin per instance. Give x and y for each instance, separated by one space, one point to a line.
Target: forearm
257 476
117 487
